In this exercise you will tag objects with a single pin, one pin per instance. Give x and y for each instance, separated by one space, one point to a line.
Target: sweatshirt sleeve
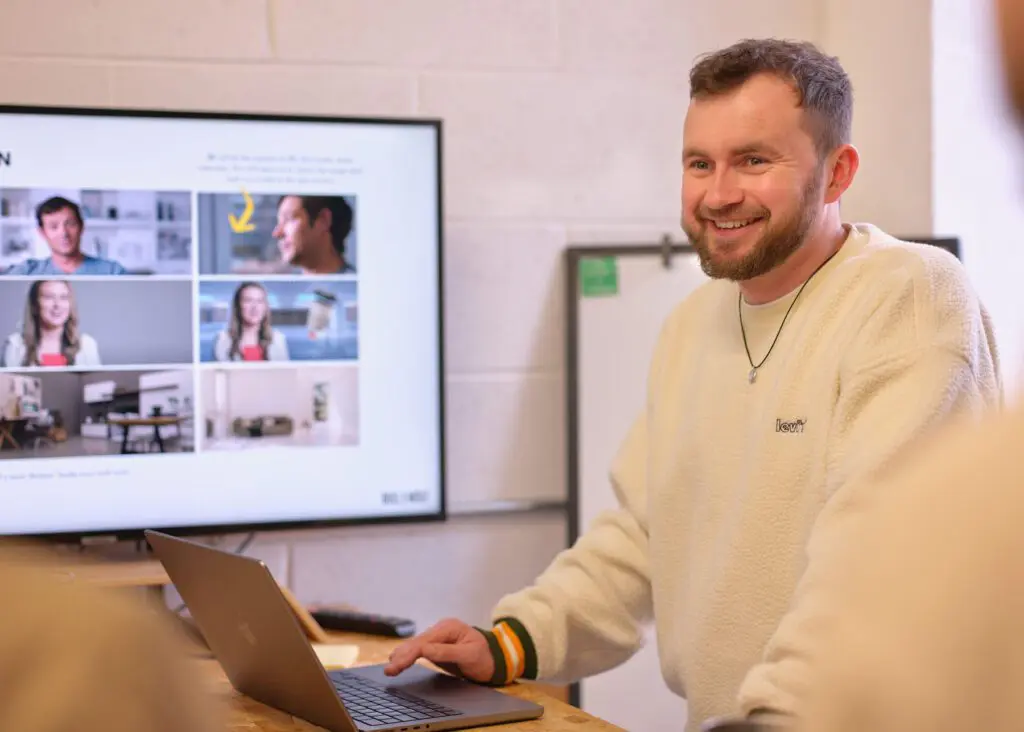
924 357
583 614
586 612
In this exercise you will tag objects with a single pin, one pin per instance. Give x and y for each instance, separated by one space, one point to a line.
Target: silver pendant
752 375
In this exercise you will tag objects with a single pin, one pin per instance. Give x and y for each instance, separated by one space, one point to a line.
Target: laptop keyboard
371 704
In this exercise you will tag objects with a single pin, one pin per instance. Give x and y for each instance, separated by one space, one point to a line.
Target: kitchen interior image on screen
280 407
86 413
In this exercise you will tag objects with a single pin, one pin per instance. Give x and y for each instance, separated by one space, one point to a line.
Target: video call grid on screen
212 308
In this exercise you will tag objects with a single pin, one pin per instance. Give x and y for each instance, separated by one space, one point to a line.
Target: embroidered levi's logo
790 426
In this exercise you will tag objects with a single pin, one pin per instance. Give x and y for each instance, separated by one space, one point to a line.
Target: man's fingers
441 638
404 656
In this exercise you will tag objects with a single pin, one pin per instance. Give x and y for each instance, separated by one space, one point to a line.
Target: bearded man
818 350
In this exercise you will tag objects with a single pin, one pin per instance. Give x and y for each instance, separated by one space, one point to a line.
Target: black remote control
350 621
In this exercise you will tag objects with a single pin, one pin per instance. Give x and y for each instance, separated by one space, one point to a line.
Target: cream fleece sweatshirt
721 482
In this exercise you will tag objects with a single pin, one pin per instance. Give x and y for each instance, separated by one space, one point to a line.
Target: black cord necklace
752 376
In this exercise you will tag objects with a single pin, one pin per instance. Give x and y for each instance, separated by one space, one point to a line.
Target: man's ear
324 219
842 168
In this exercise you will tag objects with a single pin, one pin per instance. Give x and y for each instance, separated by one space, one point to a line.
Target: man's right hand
451 644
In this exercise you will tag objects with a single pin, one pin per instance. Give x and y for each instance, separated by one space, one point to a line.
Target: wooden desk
247 715
127 572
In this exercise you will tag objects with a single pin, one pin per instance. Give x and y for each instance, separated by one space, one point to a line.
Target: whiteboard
618 299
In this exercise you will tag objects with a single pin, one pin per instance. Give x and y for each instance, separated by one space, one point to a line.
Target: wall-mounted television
216 322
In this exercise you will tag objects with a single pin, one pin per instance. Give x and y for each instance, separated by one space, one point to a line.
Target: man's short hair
55 204
341 216
822 85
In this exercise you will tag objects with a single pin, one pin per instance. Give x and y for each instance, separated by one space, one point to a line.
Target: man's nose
723 191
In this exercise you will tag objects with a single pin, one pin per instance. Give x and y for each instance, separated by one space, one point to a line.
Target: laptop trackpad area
460 696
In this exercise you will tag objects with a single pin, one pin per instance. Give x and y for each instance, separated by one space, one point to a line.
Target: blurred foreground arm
75 657
925 634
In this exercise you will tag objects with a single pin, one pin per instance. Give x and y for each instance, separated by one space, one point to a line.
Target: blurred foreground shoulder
925 606
89 659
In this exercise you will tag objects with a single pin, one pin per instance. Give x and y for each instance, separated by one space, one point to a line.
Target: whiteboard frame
573 254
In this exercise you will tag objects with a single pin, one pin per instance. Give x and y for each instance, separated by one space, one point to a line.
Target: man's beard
775 246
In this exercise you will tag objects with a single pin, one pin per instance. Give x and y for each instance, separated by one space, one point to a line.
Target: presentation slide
215 321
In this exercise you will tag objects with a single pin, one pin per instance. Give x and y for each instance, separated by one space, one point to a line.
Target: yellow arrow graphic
242 224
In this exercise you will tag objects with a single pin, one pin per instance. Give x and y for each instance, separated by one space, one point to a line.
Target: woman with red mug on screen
50 334
249 335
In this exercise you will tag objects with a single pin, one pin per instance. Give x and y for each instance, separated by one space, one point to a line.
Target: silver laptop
254 634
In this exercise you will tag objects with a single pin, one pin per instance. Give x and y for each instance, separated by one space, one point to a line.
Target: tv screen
216 321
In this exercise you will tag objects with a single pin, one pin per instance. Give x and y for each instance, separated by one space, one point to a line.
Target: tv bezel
194 529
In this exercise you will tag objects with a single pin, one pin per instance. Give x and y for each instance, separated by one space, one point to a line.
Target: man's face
63 232
752 179
1010 26
293 231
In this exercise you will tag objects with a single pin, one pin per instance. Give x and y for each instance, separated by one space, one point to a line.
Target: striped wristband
513 651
